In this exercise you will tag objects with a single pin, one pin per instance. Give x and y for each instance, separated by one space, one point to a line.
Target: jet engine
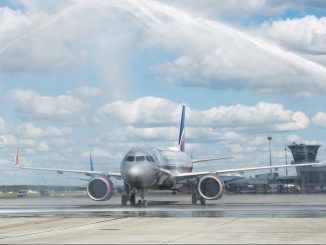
100 189
211 187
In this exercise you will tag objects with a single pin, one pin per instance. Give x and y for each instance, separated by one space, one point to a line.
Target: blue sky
103 76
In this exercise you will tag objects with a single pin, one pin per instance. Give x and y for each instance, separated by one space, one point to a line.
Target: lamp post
286 161
270 153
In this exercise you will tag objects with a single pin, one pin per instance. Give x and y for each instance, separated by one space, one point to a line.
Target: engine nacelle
211 187
100 189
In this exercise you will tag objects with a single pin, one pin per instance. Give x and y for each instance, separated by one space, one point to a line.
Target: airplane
149 168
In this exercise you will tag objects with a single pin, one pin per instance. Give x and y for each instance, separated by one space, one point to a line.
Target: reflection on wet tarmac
278 206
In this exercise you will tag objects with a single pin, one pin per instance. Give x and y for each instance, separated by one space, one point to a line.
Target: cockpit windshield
140 158
130 158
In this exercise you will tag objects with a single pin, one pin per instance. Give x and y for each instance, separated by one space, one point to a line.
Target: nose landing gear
131 197
142 203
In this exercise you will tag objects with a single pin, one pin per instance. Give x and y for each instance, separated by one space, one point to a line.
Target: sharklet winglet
17 157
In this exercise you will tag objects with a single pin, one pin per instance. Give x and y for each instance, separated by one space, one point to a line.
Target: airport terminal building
308 179
311 178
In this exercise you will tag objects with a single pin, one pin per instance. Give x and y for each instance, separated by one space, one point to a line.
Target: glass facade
304 153
311 178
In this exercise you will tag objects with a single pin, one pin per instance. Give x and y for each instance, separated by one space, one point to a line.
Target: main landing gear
131 199
196 197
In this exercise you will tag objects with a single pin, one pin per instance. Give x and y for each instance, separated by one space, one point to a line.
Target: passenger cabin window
149 159
140 158
130 158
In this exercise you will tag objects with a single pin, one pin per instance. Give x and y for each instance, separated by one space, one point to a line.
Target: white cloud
207 134
320 119
100 152
148 134
7 141
307 34
229 10
149 111
76 36
63 108
215 55
27 142
289 139
61 143
43 146
28 130
7 137
237 148
145 110
20 45
237 10
43 6
87 91
3 126
170 134
272 116
209 53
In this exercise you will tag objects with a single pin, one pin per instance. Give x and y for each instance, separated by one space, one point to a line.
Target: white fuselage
140 168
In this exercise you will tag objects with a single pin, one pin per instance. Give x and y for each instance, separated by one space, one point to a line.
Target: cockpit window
149 159
130 158
140 158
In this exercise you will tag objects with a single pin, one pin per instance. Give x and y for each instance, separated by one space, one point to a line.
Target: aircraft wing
86 172
210 159
61 171
275 167
177 175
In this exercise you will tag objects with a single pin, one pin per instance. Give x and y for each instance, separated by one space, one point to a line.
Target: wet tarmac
234 219
258 206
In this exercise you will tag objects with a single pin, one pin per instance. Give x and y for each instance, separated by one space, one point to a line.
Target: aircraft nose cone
140 175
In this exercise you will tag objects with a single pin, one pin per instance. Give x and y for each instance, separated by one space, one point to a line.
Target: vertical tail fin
17 157
91 162
181 142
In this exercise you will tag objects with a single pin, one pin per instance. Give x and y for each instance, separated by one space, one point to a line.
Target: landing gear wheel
124 200
202 201
133 199
193 199
144 203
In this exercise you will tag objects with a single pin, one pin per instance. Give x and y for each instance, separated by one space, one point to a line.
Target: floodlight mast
270 153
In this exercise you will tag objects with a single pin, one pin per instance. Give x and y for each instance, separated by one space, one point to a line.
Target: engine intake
211 187
100 189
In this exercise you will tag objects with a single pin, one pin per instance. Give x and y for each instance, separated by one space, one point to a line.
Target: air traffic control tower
311 178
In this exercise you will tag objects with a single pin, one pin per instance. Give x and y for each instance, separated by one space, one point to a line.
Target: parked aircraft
150 168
